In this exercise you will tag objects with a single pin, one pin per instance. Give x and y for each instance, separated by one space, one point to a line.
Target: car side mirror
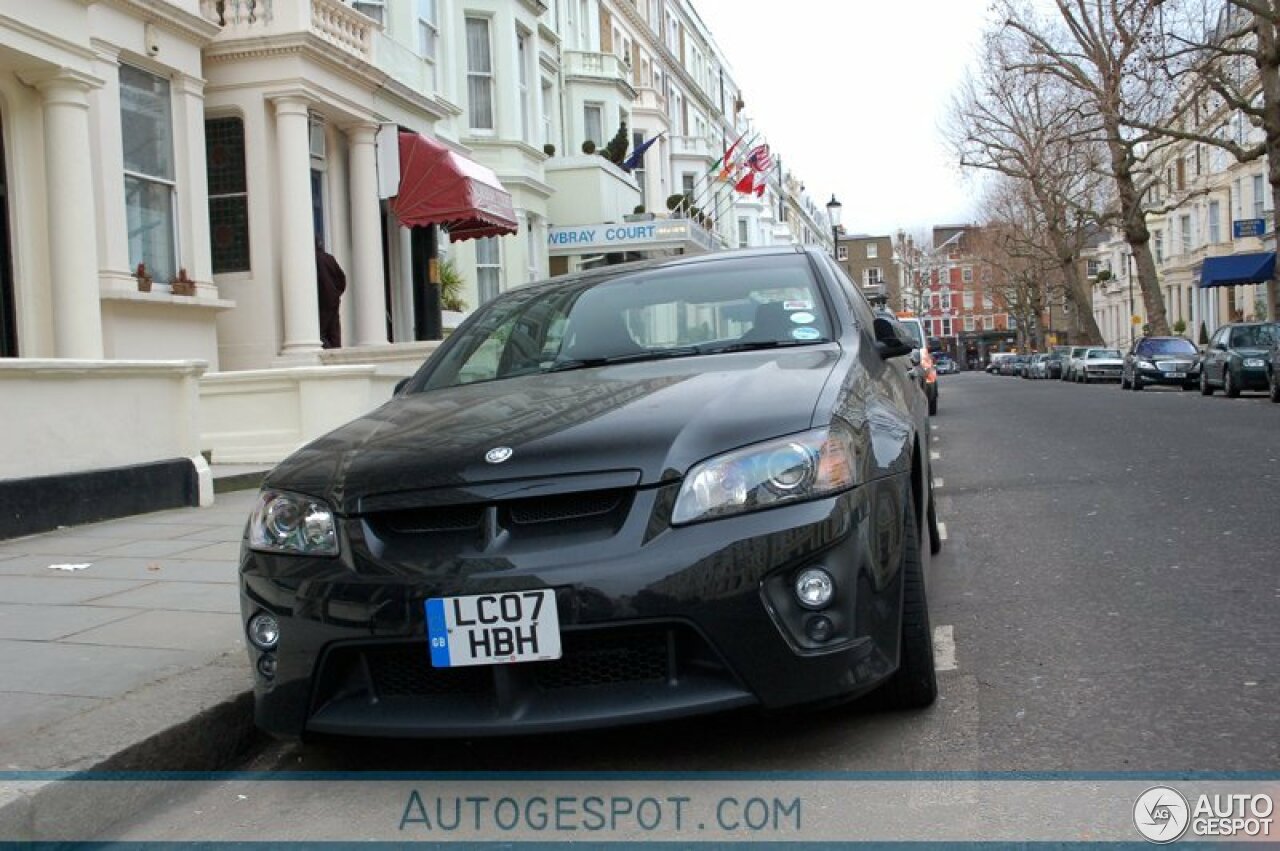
888 343
1222 347
399 386
915 357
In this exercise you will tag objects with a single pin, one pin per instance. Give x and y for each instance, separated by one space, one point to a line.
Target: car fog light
819 628
267 666
264 631
814 588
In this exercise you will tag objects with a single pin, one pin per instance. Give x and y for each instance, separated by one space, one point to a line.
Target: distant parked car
1237 358
922 362
1099 364
1273 372
1035 368
1161 360
1011 365
945 365
1073 358
1054 361
997 360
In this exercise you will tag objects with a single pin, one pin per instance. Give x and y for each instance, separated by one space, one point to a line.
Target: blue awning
1234 269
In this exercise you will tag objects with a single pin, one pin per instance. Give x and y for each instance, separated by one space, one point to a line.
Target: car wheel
1124 385
915 683
1137 382
1229 388
933 403
1273 384
1206 389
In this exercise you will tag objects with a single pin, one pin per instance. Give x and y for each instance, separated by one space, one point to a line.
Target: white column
364 286
73 252
297 243
193 187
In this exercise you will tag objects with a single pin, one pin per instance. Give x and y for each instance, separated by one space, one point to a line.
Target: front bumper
656 622
1253 378
1104 373
1172 376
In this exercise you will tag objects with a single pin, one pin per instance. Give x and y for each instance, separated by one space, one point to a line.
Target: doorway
8 322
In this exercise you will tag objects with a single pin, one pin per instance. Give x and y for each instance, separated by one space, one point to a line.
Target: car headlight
813 464
284 522
1255 363
1146 364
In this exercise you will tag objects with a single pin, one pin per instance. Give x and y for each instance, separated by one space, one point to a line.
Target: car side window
857 302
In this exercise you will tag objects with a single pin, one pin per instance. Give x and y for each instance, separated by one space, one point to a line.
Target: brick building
869 261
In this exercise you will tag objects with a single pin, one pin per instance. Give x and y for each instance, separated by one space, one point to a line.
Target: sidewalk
100 659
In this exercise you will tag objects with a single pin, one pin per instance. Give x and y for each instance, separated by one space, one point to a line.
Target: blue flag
637 156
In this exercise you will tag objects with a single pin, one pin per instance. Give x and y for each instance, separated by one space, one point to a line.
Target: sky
853 95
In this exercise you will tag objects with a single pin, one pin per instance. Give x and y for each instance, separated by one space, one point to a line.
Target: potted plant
638 215
143 277
182 285
451 287
1179 327
588 147
549 149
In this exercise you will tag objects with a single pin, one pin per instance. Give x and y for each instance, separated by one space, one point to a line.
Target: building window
534 241
593 123
525 93
428 29
375 9
228 195
637 139
488 268
687 183
1184 225
874 277
968 301
873 251
966 274
1158 238
946 300
842 253
547 105
1215 228
147 122
1259 197
968 323
946 328
744 233
987 303
479 75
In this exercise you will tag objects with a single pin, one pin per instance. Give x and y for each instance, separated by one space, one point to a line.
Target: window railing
332 21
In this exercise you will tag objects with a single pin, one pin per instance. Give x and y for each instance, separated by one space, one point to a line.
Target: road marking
935 456
937 482
944 648
942 531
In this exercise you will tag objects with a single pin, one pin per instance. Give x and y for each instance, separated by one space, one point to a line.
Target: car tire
1206 389
933 403
915 684
1229 388
1136 384
1273 386
931 517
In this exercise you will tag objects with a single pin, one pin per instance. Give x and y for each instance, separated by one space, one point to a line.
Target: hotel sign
630 236
1241 228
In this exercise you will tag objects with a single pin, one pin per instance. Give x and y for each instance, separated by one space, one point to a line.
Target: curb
199 720
239 482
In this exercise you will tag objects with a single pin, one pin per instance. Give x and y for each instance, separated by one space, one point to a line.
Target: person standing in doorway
331 282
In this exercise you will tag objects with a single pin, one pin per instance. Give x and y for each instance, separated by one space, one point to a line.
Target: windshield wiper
758 344
633 357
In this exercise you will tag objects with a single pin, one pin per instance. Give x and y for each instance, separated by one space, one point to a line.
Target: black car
1273 372
1161 360
1237 356
637 493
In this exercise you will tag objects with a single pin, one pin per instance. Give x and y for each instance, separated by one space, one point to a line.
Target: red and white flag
759 159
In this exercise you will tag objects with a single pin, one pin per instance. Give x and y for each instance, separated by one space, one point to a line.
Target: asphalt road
1110 582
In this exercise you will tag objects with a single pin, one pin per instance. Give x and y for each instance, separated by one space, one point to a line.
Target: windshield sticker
802 318
806 333
797 304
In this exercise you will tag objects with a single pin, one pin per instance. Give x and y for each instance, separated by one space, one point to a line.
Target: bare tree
1036 129
911 250
1225 57
1101 48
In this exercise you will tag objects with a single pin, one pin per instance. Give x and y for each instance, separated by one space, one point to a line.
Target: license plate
1176 374
493 629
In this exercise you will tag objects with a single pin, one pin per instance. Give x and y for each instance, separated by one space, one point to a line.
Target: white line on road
935 456
942 531
937 481
944 648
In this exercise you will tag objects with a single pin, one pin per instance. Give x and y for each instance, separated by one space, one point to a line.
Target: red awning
440 187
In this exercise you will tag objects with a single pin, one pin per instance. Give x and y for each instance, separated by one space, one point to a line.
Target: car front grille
1173 365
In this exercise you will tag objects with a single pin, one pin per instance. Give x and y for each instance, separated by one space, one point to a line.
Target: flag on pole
637 156
759 158
726 173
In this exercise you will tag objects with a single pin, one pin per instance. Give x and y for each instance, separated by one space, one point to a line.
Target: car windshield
1167 347
1095 354
1254 336
650 313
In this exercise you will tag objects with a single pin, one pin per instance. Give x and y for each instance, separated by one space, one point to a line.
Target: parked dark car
1161 360
1237 356
642 492
1055 361
1273 373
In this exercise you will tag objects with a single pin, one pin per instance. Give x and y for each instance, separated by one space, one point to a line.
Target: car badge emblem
498 454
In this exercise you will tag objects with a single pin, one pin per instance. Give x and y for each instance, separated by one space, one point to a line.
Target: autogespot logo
498 454
1161 814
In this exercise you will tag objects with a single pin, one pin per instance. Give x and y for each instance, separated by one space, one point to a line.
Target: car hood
613 426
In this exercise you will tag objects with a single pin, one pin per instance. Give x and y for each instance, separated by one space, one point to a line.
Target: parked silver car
1100 365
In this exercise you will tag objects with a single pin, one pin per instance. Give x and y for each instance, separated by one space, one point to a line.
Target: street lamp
833 215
